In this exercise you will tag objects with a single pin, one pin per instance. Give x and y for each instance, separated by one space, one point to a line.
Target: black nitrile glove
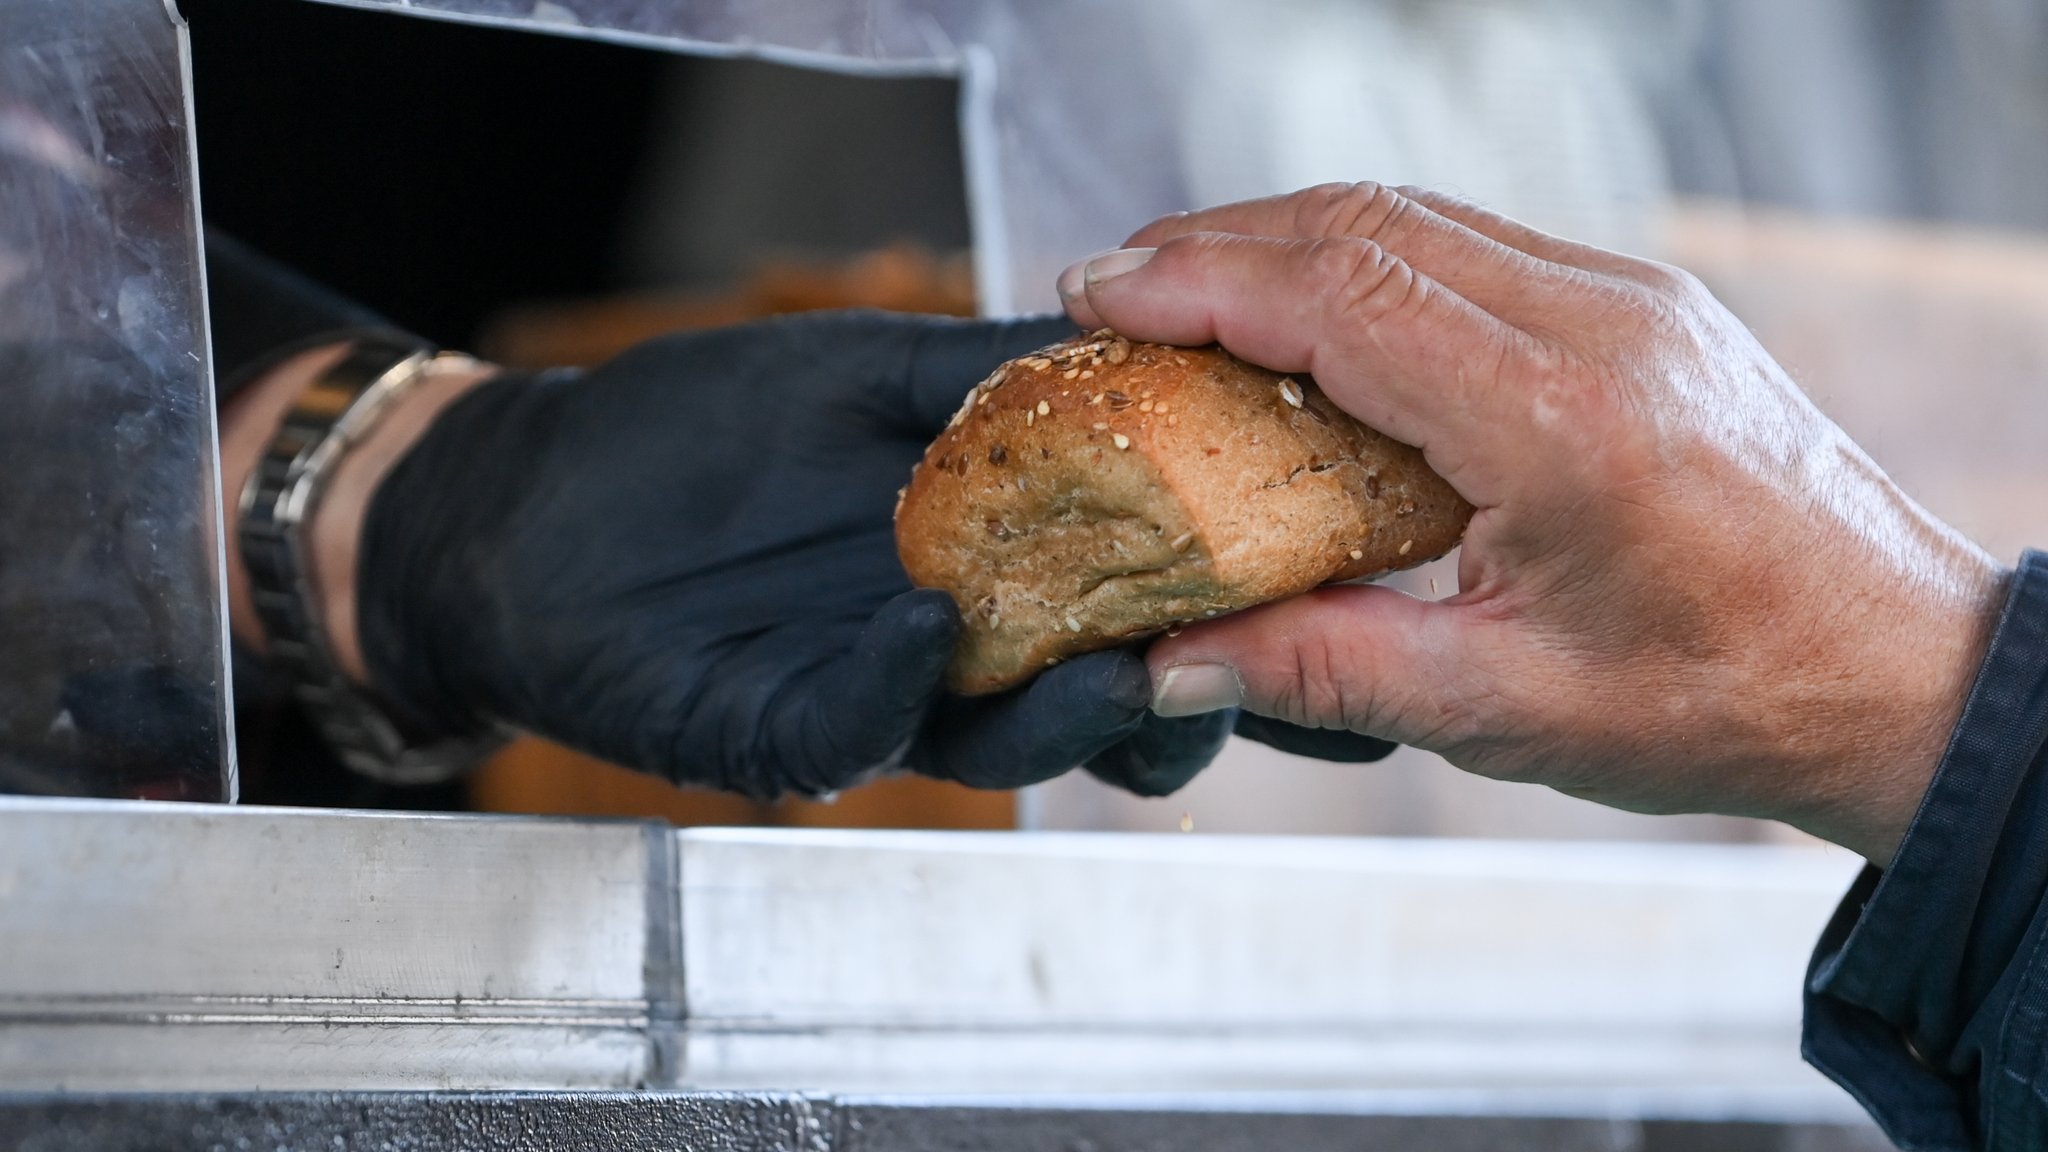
684 561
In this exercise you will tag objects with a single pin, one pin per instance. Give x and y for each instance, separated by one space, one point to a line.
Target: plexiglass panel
112 673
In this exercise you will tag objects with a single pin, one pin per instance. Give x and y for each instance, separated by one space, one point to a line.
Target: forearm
334 533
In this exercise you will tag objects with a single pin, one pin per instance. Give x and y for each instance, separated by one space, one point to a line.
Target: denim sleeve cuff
1915 994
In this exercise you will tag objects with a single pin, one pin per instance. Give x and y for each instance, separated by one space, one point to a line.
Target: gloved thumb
1357 657
860 712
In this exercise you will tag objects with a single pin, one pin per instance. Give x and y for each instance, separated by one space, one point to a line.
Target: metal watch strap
336 410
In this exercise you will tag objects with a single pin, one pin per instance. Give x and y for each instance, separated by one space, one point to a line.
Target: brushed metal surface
165 946
192 948
946 928
238 910
789 1122
1050 962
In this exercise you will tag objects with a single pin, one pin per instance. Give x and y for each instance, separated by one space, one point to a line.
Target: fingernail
1072 282
1192 689
1110 265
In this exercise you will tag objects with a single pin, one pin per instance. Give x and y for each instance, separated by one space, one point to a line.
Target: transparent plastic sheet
112 653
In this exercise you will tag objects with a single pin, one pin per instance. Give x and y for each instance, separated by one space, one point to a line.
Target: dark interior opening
440 172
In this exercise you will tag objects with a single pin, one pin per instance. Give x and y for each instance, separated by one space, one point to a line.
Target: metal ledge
182 948
652 1122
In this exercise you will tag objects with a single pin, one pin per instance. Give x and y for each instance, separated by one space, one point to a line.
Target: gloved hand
684 561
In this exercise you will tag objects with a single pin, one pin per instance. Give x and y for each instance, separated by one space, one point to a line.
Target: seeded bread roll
1101 490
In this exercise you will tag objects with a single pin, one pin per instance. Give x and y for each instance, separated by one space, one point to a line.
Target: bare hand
1685 588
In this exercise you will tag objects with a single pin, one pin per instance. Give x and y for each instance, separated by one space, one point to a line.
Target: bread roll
1101 490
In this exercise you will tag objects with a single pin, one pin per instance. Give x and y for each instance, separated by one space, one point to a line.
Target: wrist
333 532
247 426
1915 657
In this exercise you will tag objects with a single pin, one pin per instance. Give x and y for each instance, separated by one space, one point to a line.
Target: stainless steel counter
304 979
766 1122
192 948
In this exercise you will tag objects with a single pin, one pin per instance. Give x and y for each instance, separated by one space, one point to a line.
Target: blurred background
1861 180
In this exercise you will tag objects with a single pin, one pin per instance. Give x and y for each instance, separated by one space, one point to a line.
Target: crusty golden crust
1101 490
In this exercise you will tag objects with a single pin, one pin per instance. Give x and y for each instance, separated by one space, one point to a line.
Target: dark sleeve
258 310
1927 998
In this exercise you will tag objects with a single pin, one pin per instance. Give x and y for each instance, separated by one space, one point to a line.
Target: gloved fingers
859 711
1163 754
1332 744
947 357
1059 721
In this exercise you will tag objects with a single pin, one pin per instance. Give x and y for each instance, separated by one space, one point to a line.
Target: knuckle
1448 727
1432 199
1360 209
1668 280
1362 282
1287 700
1317 689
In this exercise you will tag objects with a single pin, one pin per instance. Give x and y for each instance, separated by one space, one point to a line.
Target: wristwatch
332 414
